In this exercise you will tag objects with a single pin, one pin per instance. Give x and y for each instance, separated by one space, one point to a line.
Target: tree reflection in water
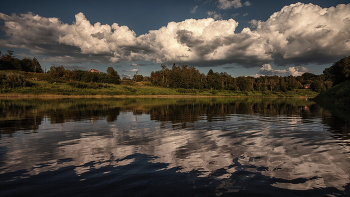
233 144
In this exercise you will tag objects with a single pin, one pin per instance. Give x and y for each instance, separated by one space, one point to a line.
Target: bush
56 80
130 89
317 86
184 91
214 92
83 85
12 80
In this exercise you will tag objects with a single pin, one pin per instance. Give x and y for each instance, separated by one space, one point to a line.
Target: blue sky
242 38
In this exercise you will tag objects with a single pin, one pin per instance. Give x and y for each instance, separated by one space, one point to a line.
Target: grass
44 88
61 89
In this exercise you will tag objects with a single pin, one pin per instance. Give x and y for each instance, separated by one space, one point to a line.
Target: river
173 147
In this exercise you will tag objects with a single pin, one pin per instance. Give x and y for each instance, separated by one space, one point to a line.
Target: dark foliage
10 62
339 72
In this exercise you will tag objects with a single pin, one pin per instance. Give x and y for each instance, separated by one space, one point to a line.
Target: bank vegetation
25 76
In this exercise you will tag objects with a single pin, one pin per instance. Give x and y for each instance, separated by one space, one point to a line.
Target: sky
241 38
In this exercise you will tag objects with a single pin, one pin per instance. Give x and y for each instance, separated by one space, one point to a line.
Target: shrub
83 85
130 89
317 86
13 80
184 91
56 80
214 92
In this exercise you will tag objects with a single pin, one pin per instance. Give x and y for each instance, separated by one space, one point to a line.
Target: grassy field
40 88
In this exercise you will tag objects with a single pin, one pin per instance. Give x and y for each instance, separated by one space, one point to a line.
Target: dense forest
190 78
181 77
55 74
59 74
10 62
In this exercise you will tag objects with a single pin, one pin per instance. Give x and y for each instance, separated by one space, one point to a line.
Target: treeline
60 74
10 62
55 74
190 78
181 77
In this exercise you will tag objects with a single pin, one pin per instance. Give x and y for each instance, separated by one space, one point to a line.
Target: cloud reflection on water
298 153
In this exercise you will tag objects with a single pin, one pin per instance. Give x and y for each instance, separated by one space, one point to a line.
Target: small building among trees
94 71
307 86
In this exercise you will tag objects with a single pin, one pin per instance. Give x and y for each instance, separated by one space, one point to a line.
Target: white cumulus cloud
306 33
266 69
296 35
132 70
226 4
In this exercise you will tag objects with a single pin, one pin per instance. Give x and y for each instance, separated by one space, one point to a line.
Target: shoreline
57 96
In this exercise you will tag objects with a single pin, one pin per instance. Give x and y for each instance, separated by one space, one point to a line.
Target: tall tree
36 66
113 76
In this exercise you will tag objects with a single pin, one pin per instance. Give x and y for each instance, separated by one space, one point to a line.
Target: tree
56 71
213 80
244 84
293 83
10 62
272 82
36 66
27 65
137 78
113 76
339 72
111 71
328 84
317 86
6 62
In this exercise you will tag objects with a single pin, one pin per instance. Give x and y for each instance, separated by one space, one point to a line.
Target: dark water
167 147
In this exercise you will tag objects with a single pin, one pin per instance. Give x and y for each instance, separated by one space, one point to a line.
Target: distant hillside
338 95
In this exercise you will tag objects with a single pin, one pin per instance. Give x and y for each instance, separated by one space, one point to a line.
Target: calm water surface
167 147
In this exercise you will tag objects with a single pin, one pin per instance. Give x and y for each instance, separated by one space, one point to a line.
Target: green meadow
36 87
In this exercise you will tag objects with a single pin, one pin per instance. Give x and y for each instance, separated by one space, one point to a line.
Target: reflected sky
297 152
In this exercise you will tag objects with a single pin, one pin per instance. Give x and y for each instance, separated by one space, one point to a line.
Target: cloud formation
126 76
213 14
306 33
226 4
247 3
266 69
194 9
298 34
132 70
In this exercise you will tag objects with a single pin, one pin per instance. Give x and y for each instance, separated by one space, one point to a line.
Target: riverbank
53 96
291 94
43 89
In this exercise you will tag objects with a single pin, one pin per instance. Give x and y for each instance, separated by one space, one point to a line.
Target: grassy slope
42 88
